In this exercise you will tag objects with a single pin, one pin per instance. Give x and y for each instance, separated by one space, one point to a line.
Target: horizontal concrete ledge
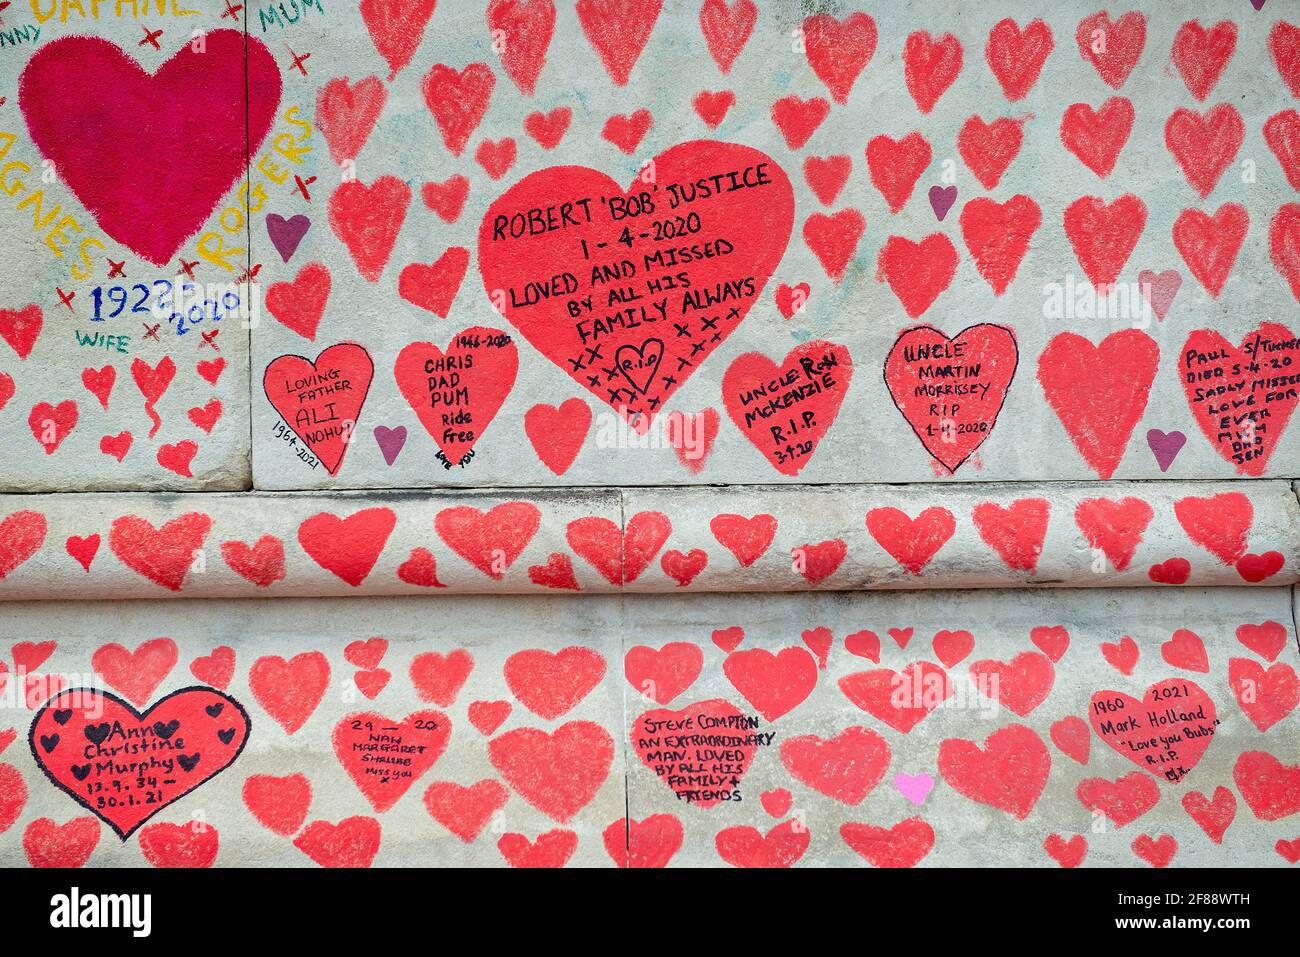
645 540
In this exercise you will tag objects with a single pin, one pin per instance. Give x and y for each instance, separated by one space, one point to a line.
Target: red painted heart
457 393
321 401
1166 732
951 390
123 765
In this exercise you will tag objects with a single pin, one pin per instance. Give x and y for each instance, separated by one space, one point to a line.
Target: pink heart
914 787
96 138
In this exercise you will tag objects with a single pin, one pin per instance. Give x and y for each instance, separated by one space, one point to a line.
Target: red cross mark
115 268
210 339
151 332
151 36
187 267
249 274
232 11
302 185
66 297
298 61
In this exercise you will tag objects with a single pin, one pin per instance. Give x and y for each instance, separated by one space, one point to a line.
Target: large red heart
162 555
1166 732
1233 394
1218 523
491 540
774 684
123 765
680 748
1008 773
321 401
1099 392
347 547
901 700
551 684
951 390
846 767
556 773
385 757
456 394
629 292
786 410
93 138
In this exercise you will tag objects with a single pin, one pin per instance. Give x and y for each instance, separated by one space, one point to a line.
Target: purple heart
1165 446
390 441
286 234
1257 4
941 199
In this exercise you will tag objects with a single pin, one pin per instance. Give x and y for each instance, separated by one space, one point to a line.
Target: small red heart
1122 656
547 129
487 716
1186 650
626 132
420 569
215 669
438 677
746 538
447 198
1256 568
178 456
776 802
713 107
1067 853
372 681
1157 852
1172 571
1051 640
352 842
434 286
83 550
1266 640
729 639
279 803
366 654
864 644
556 573
552 849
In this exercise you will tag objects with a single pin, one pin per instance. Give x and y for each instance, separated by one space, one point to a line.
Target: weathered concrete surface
1069 413
579 787
649 540
294 715
118 369
772 670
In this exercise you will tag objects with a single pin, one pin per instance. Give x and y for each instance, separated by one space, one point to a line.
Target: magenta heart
1257 4
1165 446
390 441
286 234
941 199
150 156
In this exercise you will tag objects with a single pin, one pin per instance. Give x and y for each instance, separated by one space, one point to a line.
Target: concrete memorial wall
649 432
